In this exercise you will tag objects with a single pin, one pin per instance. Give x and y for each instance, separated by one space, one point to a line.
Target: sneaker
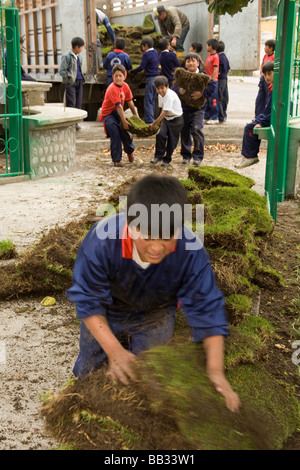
196 163
165 164
185 161
154 160
244 162
212 121
119 164
130 157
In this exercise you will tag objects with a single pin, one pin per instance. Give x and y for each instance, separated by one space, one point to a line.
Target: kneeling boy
131 272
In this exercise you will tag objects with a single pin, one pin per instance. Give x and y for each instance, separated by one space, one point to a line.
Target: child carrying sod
171 122
112 113
192 137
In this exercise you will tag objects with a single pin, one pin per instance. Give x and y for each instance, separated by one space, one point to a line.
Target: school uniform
114 96
71 72
140 302
168 62
170 128
192 137
224 68
116 57
212 108
149 64
262 95
251 142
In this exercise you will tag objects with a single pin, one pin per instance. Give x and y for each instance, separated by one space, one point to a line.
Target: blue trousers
136 333
74 94
262 96
149 100
167 138
212 106
192 134
181 39
251 142
118 136
222 99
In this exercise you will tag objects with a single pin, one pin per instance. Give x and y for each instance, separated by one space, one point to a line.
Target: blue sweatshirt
168 62
224 66
264 119
149 63
116 57
106 280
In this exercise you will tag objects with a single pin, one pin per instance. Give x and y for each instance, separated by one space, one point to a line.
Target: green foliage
221 7
7 249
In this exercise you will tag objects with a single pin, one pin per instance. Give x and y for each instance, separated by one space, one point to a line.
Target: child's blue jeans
251 142
118 136
137 333
149 100
192 137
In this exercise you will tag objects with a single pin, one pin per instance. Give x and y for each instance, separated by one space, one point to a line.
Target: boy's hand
196 95
222 386
125 125
122 366
257 126
153 125
182 91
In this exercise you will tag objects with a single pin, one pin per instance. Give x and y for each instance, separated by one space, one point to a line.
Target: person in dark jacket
149 64
167 60
192 137
251 142
117 57
223 96
131 272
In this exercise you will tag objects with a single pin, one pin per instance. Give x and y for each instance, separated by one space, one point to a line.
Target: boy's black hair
151 192
147 42
268 67
197 46
120 43
221 46
163 44
213 43
161 80
271 43
192 55
120 68
77 42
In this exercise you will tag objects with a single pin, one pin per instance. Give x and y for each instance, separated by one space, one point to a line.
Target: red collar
270 87
127 244
118 50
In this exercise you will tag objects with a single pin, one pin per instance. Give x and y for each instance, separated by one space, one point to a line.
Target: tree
220 7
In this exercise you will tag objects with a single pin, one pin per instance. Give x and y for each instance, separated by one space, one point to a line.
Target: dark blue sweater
224 66
116 57
149 63
168 62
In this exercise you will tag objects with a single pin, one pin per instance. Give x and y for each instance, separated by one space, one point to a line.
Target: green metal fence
11 136
295 108
278 147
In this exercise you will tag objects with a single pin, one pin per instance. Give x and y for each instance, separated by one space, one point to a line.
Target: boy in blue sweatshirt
192 137
117 57
131 272
251 142
149 64
224 68
167 60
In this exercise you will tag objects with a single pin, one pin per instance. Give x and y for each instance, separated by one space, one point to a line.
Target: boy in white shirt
171 122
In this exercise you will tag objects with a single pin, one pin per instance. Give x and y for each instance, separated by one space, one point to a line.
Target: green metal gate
284 94
11 136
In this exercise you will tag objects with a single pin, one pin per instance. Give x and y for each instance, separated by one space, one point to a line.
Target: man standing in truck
102 19
173 23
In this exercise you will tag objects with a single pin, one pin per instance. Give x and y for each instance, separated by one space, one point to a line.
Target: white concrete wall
241 36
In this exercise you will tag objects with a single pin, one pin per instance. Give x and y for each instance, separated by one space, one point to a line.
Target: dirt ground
38 345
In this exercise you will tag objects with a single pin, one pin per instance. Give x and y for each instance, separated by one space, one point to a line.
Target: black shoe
165 164
155 160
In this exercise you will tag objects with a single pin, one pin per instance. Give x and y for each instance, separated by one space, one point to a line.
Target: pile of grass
139 127
191 82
